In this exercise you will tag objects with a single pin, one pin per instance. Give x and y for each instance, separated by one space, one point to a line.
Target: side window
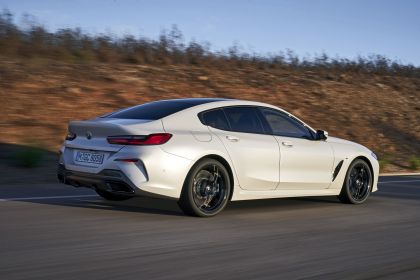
215 118
283 125
244 119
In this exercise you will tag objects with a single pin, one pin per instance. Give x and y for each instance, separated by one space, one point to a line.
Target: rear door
255 155
305 163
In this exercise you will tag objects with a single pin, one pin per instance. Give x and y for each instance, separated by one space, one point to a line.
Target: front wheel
357 184
206 189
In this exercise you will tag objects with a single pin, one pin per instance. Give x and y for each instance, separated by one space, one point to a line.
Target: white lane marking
399 174
45 197
405 181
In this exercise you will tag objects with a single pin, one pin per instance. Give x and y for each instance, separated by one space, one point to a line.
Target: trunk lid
92 134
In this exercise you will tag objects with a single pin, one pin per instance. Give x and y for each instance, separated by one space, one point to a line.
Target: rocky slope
379 111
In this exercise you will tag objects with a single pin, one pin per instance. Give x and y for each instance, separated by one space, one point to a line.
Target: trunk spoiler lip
130 125
111 122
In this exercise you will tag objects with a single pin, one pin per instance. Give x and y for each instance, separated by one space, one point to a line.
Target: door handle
287 143
232 138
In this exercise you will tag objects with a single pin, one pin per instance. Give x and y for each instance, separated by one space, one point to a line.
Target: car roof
222 102
193 101
210 103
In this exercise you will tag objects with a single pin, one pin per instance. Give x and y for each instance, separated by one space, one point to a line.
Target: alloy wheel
359 182
209 189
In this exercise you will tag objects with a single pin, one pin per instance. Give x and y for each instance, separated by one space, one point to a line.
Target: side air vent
337 169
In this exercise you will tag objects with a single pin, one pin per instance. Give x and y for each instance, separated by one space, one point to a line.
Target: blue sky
337 27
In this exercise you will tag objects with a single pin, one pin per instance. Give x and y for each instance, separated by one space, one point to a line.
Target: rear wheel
357 184
112 196
206 189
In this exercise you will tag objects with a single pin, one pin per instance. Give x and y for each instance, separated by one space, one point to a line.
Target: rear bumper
157 173
113 181
110 180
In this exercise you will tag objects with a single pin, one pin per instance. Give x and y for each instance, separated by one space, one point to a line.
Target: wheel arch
370 167
225 163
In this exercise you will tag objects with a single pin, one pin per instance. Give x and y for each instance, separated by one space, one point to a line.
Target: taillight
70 136
151 139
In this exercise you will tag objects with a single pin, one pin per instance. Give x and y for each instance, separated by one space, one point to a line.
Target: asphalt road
58 232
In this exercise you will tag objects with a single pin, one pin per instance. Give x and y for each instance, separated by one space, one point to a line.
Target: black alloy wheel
358 183
206 190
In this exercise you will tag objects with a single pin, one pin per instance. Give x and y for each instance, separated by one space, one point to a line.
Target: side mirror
321 135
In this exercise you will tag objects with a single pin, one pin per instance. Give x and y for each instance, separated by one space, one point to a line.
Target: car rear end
122 156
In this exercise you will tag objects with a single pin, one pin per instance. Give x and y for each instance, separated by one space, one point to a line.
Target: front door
305 163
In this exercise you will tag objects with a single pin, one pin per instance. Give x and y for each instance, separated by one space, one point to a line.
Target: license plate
89 157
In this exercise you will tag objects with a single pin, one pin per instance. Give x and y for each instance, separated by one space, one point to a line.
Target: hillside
379 111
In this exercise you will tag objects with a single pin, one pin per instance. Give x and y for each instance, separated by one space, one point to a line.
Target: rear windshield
158 109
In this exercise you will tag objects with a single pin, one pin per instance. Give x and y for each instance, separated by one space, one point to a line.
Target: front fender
347 154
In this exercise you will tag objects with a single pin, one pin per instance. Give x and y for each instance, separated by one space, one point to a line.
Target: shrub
75 45
30 156
414 162
384 161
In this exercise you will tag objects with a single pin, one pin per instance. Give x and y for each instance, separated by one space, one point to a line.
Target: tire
206 190
112 196
357 184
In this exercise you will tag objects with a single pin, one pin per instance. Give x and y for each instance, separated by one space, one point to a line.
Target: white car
205 152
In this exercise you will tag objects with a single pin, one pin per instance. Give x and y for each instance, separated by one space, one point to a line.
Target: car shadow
297 202
167 207
134 205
